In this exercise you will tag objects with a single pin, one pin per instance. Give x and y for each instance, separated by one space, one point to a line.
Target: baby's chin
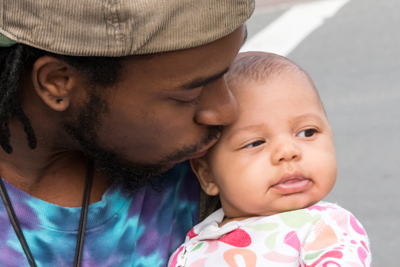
295 202
283 206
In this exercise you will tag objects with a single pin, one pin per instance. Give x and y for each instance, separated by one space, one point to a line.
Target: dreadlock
15 59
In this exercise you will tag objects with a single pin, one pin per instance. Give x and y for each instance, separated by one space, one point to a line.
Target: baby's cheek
323 187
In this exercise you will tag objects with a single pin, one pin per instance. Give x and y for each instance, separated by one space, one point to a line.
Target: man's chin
167 167
195 151
198 154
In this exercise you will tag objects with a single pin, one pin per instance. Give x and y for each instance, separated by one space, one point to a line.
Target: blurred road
353 55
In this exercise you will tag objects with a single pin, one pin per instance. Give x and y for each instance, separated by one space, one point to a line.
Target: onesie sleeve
338 239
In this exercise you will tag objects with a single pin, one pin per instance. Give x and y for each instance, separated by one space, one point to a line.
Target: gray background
354 59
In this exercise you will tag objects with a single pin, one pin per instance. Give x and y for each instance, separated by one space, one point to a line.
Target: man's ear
53 80
202 171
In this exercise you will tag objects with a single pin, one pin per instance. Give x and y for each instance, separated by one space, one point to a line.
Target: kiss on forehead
271 168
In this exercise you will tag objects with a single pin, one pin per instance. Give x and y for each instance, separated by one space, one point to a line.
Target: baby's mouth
294 182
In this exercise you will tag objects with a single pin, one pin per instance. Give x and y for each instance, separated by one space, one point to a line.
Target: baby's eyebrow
307 116
245 129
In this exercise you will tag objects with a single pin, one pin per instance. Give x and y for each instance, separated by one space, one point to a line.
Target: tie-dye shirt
123 229
322 235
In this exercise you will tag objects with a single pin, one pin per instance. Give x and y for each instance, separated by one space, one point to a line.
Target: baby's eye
256 143
307 133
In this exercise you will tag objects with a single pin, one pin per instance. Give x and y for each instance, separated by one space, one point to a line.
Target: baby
271 169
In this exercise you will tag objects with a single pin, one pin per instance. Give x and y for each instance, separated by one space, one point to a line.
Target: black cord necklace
82 221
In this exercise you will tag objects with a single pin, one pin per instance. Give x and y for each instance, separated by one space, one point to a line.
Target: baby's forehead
258 68
242 84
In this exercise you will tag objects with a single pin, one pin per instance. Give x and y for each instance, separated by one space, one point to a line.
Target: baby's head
279 154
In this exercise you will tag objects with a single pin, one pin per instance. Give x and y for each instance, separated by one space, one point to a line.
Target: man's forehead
190 68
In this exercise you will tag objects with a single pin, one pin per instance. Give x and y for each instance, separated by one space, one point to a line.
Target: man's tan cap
120 27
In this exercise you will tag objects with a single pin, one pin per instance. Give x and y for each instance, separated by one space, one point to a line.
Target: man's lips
204 150
294 182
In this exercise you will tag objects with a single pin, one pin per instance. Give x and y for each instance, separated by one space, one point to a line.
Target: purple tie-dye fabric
123 229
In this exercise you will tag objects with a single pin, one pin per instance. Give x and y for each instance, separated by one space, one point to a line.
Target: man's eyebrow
200 82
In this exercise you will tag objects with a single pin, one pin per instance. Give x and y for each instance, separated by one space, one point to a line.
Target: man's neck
53 175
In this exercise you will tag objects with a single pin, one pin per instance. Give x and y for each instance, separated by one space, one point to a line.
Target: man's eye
189 102
256 143
307 133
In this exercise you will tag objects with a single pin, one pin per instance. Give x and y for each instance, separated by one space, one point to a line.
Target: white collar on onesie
208 229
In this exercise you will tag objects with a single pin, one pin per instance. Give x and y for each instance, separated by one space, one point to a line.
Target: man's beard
132 175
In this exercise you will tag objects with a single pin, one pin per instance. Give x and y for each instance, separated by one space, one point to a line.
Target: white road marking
284 34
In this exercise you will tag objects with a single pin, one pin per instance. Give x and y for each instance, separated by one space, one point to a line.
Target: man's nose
218 106
285 150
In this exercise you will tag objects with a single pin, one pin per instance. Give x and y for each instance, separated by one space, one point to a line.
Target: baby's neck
227 220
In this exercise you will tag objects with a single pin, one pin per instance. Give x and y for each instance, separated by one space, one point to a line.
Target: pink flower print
238 238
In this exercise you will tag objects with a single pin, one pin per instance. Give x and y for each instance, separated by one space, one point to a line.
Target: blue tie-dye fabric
123 229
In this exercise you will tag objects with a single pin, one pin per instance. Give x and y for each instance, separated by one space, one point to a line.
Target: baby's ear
203 173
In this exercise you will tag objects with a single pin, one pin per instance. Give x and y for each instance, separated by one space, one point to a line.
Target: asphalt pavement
354 60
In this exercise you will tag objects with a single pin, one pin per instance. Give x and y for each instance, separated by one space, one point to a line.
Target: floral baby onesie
321 235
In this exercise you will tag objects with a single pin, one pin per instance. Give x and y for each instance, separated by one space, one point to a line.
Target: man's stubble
132 175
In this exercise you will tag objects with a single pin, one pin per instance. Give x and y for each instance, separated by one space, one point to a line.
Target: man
129 88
